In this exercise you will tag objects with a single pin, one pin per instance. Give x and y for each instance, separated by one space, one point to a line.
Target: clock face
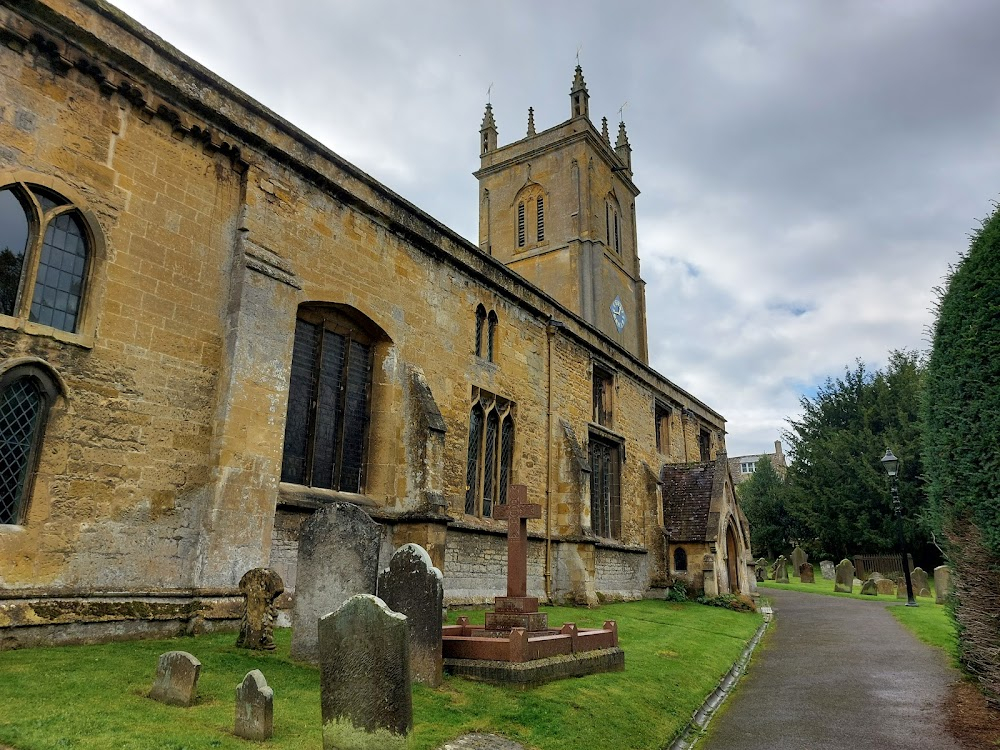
618 313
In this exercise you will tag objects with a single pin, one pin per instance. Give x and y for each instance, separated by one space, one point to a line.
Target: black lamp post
891 464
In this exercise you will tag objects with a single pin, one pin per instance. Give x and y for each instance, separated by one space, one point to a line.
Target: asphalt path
837 674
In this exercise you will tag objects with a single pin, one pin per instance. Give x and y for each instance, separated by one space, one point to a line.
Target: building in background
743 466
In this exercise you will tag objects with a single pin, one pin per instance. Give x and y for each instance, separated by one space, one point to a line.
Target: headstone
942 583
828 570
806 573
760 569
412 586
338 558
844 581
868 588
885 587
365 676
799 558
918 577
176 679
901 588
875 576
709 582
260 587
781 570
254 708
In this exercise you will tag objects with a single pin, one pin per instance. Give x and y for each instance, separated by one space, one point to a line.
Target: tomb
516 646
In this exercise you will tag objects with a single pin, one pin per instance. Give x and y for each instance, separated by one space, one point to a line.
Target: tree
837 488
962 444
762 498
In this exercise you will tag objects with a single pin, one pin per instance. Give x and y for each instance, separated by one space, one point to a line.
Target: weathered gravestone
828 570
918 578
806 573
885 587
365 676
799 558
868 588
254 708
260 587
781 570
176 679
875 576
412 586
844 581
709 583
942 583
760 569
338 558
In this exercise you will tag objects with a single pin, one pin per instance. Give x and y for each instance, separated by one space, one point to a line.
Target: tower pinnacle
622 147
579 98
531 121
488 131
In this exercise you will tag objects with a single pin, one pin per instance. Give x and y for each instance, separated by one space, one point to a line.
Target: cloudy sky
808 170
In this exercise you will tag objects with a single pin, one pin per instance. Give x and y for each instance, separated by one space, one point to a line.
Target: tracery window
486 333
491 453
328 402
26 394
605 487
44 252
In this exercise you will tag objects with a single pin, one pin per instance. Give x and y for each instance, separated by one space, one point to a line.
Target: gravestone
918 578
338 558
885 587
760 569
875 576
844 581
868 588
176 681
709 582
254 708
412 586
260 587
806 573
781 570
365 676
942 583
828 570
799 558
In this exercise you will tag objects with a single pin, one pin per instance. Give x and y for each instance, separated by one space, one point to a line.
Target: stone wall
622 574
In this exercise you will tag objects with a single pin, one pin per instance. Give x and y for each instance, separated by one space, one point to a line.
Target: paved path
836 674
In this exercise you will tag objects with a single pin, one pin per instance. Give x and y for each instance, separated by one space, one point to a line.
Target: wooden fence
888 565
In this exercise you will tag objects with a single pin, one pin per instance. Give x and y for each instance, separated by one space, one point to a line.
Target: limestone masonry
211 326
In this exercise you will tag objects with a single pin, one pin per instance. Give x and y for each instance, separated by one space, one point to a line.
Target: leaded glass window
605 488
44 254
491 453
480 325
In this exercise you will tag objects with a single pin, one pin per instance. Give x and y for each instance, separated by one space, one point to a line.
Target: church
213 325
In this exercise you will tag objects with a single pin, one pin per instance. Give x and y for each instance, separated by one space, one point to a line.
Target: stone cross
517 511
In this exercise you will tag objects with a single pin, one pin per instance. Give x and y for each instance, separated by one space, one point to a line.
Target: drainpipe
550 332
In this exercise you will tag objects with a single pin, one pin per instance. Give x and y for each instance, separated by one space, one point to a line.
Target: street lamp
891 464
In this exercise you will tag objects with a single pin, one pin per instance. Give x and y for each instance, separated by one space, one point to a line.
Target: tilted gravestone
338 558
260 587
806 573
781 570
176 679
760 569
828 570
254 708
885 587
868 588
365 676
918 577
412 586
799 558
844 581
942 583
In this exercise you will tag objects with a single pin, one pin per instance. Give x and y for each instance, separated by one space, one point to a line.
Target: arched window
26 394
492 337
491 453
680 560
44 252
480 324
530 227
326 426
613 225
540 225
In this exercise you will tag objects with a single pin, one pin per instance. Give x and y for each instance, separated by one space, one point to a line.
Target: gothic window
605 487
44 252
680 560
704 443
26 393
662 423
328 402
491 453
613 227
603 390
480 325
520 224
541 219
530 227
491 337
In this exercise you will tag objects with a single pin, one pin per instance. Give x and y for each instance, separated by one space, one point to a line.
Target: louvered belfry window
605 488
491 453
541 219
520 224
328 404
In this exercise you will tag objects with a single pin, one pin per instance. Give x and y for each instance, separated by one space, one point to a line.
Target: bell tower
558 207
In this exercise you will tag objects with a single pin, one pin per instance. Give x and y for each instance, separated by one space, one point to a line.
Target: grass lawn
93 697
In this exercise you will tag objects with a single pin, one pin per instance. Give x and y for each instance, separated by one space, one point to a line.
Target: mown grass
94 697
825 587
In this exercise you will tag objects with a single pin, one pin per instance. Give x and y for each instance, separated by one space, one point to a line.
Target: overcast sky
808 170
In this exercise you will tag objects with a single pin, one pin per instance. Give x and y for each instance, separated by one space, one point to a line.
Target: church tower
558 207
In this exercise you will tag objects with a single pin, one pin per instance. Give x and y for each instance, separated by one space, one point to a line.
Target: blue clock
618 313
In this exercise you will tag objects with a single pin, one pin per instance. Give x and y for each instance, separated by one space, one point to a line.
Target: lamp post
891 464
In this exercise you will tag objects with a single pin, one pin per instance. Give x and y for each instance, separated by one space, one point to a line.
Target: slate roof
687 497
